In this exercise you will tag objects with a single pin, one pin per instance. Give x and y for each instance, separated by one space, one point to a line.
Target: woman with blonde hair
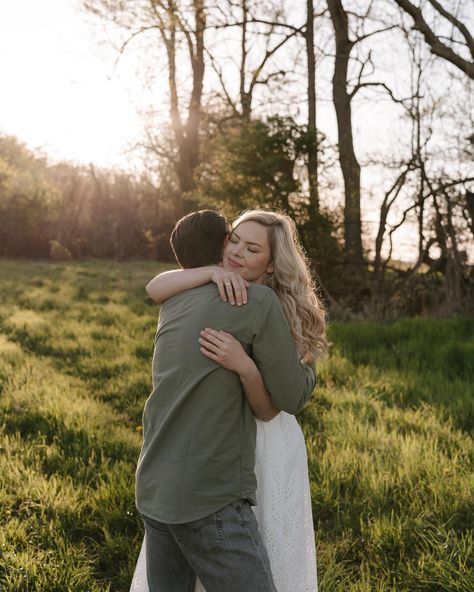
263 248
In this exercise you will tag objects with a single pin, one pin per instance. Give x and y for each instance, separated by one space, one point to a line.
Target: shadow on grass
67 451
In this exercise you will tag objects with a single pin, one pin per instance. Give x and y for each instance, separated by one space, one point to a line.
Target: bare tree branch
259 22
389 199
367 35
437 47
267 79
125 44
457 23
268 55
361 85
218 71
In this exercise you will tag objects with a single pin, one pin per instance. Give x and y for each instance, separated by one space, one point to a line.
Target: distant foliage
262 164
64 211
28 201
253 163
59 253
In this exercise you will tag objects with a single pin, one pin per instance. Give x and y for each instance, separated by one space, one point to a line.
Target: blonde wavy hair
291 279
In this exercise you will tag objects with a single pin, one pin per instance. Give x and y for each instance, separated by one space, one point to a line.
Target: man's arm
289 382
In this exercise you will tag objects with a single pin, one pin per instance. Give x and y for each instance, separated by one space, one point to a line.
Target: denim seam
238 507
220 530
219 538
264 563
191 582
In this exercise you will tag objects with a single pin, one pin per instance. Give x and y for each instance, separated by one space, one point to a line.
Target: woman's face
248 252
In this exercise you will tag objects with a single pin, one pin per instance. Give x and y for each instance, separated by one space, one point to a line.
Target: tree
253 164
263 32
349 164
431 195
260 164
312 131
179 24
441 45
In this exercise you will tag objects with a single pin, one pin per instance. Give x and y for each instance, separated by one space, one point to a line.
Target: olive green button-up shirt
198 451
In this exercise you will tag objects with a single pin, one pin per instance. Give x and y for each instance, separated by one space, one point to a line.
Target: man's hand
232 287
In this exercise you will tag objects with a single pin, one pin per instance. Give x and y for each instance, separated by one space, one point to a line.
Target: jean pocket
244 510
202 536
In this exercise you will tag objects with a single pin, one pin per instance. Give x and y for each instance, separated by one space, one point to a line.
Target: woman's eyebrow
247 242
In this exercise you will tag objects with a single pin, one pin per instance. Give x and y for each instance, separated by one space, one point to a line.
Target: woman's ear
270 268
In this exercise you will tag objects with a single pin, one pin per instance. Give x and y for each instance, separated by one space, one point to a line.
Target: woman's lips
234 263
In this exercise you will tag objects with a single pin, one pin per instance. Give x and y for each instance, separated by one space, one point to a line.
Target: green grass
389 435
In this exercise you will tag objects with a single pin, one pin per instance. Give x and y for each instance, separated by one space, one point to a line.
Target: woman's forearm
170 283
256 393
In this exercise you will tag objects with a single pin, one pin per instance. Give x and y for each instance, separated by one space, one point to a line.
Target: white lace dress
283 508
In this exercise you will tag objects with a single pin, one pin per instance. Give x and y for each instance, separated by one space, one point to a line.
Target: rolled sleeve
289 382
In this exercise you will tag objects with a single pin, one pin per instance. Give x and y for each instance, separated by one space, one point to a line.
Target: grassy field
389 435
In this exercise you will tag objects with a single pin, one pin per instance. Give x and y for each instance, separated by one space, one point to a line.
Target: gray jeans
224 550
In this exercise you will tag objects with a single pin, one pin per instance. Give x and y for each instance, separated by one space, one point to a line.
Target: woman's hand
223 348
232 287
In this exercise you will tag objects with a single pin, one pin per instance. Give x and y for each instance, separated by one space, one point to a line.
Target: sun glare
57 91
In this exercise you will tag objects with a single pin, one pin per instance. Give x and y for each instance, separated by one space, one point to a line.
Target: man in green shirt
195 478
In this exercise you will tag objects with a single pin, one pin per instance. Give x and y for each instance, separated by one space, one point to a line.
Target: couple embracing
222 478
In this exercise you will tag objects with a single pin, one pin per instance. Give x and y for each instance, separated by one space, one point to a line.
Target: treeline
62 211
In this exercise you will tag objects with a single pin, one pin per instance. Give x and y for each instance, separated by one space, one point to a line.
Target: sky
59 89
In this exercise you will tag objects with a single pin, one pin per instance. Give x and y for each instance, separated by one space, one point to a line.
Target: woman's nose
237 251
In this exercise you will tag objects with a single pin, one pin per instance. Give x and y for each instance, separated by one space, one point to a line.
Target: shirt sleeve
289 382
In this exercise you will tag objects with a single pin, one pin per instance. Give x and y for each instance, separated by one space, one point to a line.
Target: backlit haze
58 92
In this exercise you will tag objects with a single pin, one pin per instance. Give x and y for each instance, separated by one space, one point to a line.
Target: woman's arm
232 287
224 349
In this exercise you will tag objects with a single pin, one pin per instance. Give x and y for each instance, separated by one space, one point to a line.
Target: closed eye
235 240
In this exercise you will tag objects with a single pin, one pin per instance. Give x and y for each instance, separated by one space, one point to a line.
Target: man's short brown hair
198 239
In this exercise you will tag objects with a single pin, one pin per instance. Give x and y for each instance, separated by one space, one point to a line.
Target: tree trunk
245 97
347 158
312 132
186 135
469 198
